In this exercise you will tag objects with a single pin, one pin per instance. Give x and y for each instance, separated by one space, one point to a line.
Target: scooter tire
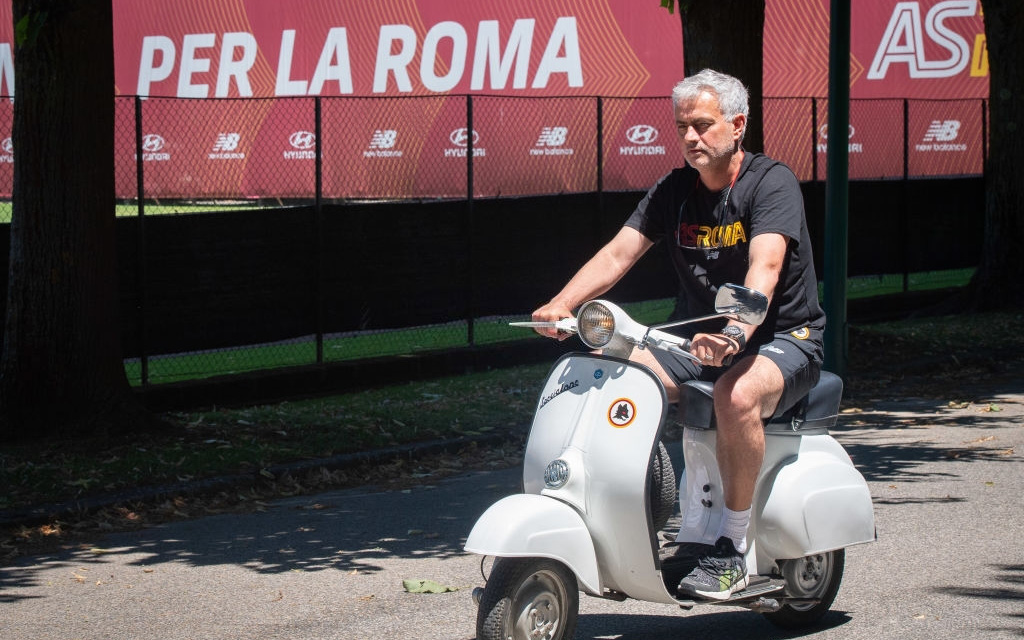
815 577
527 598
662 486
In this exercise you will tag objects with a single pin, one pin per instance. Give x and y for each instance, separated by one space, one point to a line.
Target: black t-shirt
708 237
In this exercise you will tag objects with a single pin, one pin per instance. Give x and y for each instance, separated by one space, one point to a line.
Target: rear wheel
528 599
813 578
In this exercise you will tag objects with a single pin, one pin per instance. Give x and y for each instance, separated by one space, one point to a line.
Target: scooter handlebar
678 345
565 325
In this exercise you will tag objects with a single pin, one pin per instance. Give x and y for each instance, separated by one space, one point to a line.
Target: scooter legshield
528 525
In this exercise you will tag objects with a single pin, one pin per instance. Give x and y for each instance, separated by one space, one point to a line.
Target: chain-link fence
275 279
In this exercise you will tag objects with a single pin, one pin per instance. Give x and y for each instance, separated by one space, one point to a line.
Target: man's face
707 138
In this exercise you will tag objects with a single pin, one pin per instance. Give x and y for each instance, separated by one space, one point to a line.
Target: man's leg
646 358
745 396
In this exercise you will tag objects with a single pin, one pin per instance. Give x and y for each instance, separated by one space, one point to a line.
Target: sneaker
717 575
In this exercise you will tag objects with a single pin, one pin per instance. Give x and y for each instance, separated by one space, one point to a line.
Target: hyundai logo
302 140
460 137
642 134
8 146
152 143
823 131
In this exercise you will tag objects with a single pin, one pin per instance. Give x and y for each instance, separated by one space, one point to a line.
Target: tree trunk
61 373
999 281
728 36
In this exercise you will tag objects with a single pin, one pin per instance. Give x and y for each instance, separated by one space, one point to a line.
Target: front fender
530 525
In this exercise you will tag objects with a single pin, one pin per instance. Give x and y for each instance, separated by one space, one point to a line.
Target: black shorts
798 355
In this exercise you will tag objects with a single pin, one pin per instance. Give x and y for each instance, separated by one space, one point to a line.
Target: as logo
621 413
904 40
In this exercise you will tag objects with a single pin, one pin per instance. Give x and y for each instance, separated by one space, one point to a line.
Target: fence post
470 234
837 188
318 214
600 147
140 312
814 140
906 188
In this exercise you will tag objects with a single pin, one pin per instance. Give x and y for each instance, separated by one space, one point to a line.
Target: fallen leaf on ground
425 586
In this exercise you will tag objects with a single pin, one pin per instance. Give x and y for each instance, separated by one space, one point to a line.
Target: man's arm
767 255
597 276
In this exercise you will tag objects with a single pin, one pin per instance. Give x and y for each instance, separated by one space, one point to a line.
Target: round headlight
556 474
596 325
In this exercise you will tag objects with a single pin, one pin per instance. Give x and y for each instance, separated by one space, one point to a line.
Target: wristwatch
737 334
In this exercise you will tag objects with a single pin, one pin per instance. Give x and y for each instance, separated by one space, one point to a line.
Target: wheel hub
540 615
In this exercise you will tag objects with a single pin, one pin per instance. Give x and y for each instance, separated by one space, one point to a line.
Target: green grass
192 366
129 209
251 439
300 352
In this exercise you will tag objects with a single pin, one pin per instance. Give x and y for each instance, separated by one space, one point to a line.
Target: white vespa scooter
598 488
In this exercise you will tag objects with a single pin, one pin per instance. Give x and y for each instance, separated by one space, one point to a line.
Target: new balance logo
227 142
382 144
383 139
552 137
942 131
226 147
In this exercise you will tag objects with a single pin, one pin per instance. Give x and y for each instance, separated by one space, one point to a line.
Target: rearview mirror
740 303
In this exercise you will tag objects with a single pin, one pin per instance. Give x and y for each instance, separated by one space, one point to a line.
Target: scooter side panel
819 502
526 525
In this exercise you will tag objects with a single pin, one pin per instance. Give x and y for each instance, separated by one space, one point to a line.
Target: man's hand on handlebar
552 312
714 349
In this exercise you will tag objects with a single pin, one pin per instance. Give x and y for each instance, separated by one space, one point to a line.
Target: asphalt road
947 483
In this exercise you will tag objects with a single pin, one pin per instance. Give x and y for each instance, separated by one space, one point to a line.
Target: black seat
814 413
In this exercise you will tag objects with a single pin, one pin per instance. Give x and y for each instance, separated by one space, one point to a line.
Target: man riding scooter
728 215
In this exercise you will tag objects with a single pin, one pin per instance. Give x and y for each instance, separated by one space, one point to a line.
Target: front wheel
814 579
528 599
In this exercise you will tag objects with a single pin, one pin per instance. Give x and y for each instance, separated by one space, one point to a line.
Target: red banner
929 52
898 49
394 80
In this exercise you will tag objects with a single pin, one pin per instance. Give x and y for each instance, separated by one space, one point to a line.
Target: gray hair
732 95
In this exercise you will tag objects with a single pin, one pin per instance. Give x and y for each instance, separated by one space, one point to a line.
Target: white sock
734 525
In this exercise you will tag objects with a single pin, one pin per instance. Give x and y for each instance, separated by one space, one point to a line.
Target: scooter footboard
530 525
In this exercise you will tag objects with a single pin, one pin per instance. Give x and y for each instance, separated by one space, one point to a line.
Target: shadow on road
717 623
1007 584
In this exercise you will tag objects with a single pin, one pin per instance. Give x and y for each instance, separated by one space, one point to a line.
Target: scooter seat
814 413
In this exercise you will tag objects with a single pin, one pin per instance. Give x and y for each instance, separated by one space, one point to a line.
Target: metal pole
904 260
318 213
140 189
471 283
837 188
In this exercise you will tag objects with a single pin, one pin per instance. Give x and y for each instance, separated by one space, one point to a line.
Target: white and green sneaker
718 575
